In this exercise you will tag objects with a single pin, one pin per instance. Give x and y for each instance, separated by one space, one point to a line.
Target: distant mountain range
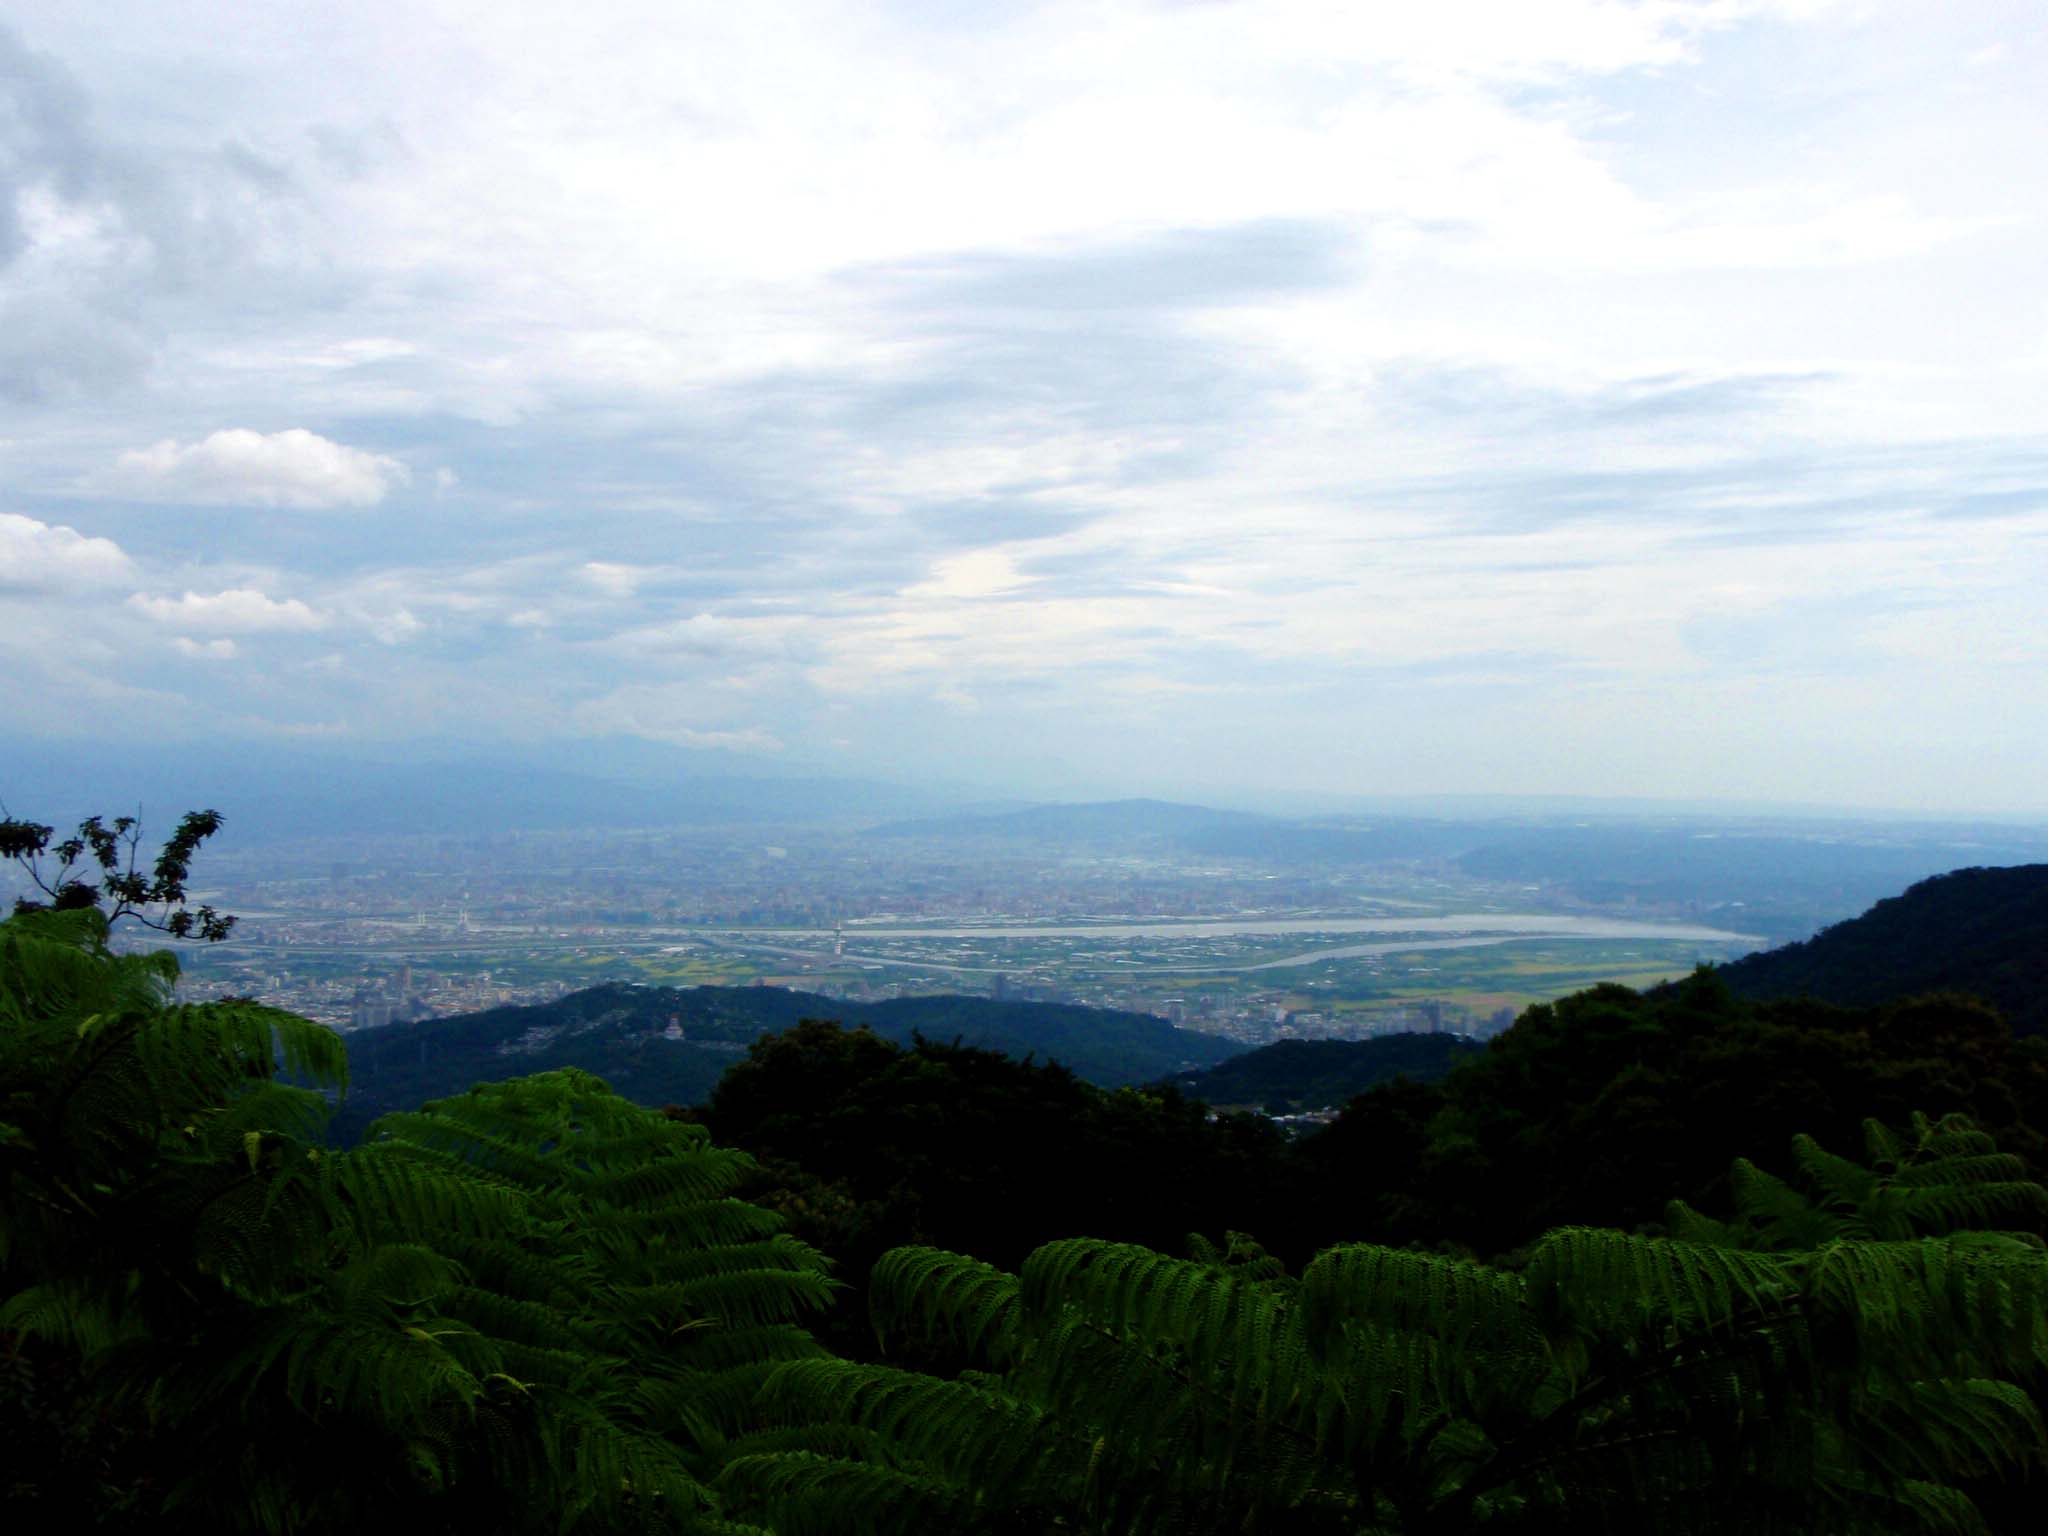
1101 822
1292 1075
1776 875
1766 875
271 794
1982 931
669 1045
1206 831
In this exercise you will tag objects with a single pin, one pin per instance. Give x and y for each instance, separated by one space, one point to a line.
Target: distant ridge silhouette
1982 931
622 1032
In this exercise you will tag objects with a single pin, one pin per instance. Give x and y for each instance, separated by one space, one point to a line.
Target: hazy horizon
1247 404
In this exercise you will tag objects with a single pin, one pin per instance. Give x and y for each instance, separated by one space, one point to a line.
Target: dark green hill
1292 1075
1783 882
1596 1109
623 1033
1982 931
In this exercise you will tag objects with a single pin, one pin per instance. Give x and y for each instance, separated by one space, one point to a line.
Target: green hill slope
1292 1075
668 1045
1982 931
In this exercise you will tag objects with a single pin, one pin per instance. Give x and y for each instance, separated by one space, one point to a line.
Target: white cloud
671 713
709 635
238 467
237 611
42 557
395 627
611 579
978 573
1065 357
206 650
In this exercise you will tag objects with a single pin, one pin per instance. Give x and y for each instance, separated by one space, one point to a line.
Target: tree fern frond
1960 1429
395 1275
954 1427
68 1316
750 1296
1207 1313
280 1108
1691 1226
467 1131
540 1268
254 1227
943 1295
605 1466
1778 1215
1938 1509
703 1174
1936 1306
1458 1302
188 1049
687 1224
682 1263
1843 1185
389 1372
1609 1282
725 1345
512 1319
804 1494
389 1194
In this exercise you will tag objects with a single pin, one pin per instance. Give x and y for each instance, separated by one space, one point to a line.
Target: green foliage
1934 1177
154 896
620 1032
535 1306
1981 931
1599 1108
869 1146
1292 1075
1617 1382
920 1136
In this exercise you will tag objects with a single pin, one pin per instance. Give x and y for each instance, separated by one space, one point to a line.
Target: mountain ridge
1982 930
1292 1075
663 1045
1092 820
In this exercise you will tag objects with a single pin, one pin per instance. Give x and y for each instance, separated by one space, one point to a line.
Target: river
1535 925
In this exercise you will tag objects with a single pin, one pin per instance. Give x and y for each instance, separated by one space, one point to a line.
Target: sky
1488 396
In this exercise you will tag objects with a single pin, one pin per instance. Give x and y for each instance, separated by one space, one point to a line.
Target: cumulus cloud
612 579
101 225
236 611
709 636
1282 372
978 573
238 467
206 650
671 713
395 627
41 557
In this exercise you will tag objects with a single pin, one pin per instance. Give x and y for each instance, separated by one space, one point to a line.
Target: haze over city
1211 400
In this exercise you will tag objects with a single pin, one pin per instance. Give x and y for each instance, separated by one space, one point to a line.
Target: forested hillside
1981 931
536 1307
1676 1261
1292 1075
668 1045
1592 1111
